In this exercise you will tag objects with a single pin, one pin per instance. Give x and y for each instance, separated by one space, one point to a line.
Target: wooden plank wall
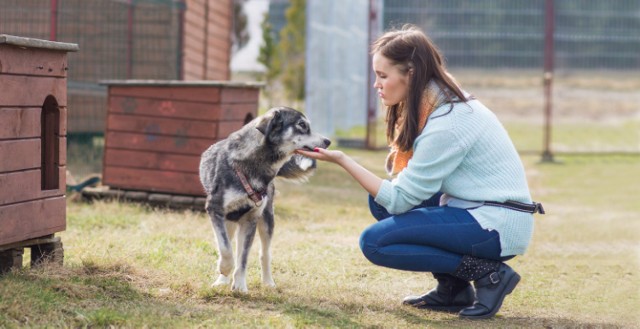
27 77
207 40
155 135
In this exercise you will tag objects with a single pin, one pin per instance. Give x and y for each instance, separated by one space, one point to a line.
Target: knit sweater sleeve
437 153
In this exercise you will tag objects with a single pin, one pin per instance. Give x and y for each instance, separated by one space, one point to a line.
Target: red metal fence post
53 21
549 27
130 22
182 8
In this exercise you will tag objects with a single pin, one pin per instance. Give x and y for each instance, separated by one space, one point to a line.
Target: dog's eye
302 125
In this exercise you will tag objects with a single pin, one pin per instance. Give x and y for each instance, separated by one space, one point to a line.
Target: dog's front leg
225 253
265 229
246 233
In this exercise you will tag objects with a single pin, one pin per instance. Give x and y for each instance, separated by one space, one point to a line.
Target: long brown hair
409 48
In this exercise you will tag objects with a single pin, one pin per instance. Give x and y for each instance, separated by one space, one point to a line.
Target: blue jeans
428 238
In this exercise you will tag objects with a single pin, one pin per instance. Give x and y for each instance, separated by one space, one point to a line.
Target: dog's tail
298 169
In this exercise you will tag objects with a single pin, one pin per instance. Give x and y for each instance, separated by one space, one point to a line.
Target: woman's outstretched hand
367 179
323 155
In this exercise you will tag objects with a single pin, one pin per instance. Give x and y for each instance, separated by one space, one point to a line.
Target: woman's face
391 82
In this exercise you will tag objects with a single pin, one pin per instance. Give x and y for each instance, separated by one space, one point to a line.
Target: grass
130 266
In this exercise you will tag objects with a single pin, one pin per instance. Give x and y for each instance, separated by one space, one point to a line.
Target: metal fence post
371 93
130 22
549 27
182 8
53 21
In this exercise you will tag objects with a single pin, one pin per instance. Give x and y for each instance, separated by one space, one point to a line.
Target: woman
458 204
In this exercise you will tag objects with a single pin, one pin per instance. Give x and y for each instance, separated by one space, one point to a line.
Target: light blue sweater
468 155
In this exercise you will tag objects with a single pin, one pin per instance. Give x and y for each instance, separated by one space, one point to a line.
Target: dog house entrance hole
50 144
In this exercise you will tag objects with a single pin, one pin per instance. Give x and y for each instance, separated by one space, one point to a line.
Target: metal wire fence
496 50
118 39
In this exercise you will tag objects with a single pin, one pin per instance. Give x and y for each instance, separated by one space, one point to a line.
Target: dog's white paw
240 287
269 284
222 280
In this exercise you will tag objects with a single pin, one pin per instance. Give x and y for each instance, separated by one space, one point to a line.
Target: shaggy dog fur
237 174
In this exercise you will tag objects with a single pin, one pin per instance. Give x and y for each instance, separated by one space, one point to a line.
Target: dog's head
289 130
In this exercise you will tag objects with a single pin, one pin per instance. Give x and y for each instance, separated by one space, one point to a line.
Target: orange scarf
397 159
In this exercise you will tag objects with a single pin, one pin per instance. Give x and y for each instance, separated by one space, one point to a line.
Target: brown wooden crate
152 180
31 91
152 160
155 143
164 108
162 126
32 61
24 186
27 220
193 94
19 154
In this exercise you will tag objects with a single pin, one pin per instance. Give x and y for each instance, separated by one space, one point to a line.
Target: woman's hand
367 179
323 155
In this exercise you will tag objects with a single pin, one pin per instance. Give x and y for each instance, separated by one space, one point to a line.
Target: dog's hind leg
265 229
245 235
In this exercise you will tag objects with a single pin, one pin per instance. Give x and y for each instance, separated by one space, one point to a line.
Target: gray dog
237 174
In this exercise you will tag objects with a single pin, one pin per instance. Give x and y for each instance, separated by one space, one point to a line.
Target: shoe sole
511 285
450 309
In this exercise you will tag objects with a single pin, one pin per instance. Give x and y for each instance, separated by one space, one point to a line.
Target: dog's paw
268 282
240 287
222 280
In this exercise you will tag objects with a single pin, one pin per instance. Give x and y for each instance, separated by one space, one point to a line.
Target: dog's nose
326 142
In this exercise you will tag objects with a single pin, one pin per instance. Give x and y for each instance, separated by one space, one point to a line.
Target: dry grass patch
130 266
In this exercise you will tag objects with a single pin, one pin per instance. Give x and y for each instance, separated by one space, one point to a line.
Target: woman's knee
368 243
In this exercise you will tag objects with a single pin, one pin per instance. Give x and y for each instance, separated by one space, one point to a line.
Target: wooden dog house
157 130
33 128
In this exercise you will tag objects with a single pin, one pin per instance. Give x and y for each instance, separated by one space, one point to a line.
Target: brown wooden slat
27 220
190 93
32 61
19 154
163 108
24 186
227 127
155 143
152 180
31 91
238 111
240 95
150 160
19 123
162 126
62 161
25 122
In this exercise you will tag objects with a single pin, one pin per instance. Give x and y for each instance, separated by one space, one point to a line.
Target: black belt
519 206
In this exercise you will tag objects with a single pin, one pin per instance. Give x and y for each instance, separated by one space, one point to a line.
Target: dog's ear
270 124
